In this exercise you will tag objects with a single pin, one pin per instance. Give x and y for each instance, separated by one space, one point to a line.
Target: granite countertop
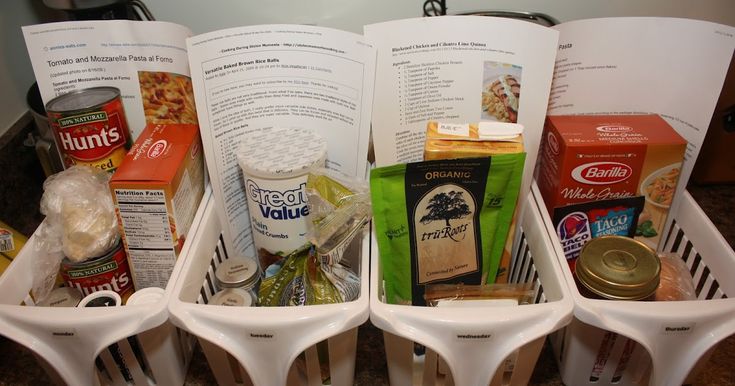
23 177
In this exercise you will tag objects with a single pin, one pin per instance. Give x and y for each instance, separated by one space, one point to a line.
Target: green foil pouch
443 221
304 281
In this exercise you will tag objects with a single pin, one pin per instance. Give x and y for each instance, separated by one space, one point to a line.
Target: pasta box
587 158
156 191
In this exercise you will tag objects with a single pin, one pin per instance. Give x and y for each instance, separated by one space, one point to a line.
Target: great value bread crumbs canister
90 127
275 164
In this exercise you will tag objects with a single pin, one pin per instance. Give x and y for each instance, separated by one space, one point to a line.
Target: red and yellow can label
98 138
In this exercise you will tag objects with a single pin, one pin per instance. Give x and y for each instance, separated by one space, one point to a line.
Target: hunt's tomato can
90 127
110 271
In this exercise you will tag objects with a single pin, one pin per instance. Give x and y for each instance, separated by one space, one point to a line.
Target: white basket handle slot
86 332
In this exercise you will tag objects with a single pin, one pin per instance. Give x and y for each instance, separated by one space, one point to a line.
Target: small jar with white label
239 272
275 164
232 297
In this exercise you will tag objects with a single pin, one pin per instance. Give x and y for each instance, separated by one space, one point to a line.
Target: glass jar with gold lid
618 267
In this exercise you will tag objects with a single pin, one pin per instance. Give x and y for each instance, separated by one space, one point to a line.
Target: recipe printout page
250 78
666 66
147 61
449 69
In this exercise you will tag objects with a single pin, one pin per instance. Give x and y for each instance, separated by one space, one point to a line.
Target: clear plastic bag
339 206
80 222
675 280
443 295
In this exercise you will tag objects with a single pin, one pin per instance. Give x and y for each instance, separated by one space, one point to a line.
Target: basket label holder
678 328
65 333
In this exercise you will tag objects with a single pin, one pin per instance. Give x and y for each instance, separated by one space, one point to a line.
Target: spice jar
619 268
238 272
232 297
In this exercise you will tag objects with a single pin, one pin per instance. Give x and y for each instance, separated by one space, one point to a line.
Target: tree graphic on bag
446 206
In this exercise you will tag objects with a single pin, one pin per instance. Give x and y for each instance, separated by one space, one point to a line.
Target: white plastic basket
260 345
126 345
656 343
506 341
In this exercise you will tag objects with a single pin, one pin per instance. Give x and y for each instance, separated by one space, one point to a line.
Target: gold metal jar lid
237 272
618 267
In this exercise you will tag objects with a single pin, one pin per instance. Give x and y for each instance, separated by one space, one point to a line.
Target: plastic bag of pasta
443 221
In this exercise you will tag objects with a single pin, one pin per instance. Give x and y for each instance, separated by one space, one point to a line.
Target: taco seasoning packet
576 224
443 221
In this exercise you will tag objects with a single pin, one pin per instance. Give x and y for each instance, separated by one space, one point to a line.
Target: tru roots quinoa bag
443 221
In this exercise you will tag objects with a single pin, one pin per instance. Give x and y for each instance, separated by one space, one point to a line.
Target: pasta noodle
661 190
167 98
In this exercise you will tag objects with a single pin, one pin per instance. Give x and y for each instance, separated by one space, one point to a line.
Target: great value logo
279 205
602 173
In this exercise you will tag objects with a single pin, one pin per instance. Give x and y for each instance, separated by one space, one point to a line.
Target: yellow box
467 140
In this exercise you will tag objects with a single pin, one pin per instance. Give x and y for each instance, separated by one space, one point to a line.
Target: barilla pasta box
587 158
156 191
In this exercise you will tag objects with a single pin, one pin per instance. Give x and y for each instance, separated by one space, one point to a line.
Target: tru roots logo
446 206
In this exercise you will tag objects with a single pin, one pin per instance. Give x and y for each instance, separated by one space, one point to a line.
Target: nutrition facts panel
145 218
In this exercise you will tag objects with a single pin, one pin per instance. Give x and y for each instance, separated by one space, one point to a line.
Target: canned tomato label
90 127
108 272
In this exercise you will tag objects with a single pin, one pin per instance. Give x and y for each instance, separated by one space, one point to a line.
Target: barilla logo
602 173
614 129
573 231
158 148
553 143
